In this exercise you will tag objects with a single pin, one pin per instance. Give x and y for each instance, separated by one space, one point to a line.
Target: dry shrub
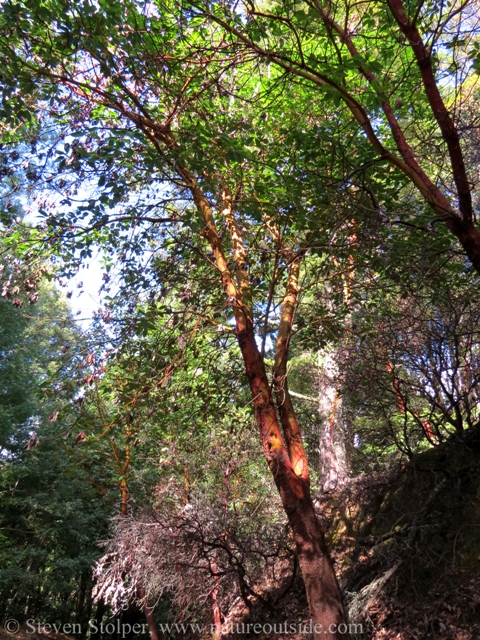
199 555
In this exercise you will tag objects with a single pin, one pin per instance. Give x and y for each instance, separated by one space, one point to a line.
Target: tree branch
440 112
290 425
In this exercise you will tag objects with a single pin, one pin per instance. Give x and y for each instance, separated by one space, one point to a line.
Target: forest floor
406 547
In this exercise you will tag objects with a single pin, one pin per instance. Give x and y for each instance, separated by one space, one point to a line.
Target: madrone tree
159 131
406 75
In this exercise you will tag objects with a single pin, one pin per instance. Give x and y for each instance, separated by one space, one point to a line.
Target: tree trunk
99 613
287 463
148 612
321 585
323 592
333 456
216 613
123 466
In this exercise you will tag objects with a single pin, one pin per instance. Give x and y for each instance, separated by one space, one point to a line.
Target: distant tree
50 523
51 517
36 334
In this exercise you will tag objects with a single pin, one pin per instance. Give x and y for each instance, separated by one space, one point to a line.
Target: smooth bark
323 592
288 467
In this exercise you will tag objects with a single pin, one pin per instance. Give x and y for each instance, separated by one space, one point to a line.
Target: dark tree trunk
99 613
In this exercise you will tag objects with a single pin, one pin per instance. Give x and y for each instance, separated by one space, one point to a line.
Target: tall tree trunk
321 586
333 456
286 458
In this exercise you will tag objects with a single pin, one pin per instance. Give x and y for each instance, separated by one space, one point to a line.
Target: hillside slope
407 546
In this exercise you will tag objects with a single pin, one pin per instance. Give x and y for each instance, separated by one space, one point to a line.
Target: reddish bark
323 592
217 619
123 468
322 589
291 428
461 226
148 613
440 111
402 406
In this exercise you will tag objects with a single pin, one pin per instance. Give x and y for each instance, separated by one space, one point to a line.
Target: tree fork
322 589
288 417
321 585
